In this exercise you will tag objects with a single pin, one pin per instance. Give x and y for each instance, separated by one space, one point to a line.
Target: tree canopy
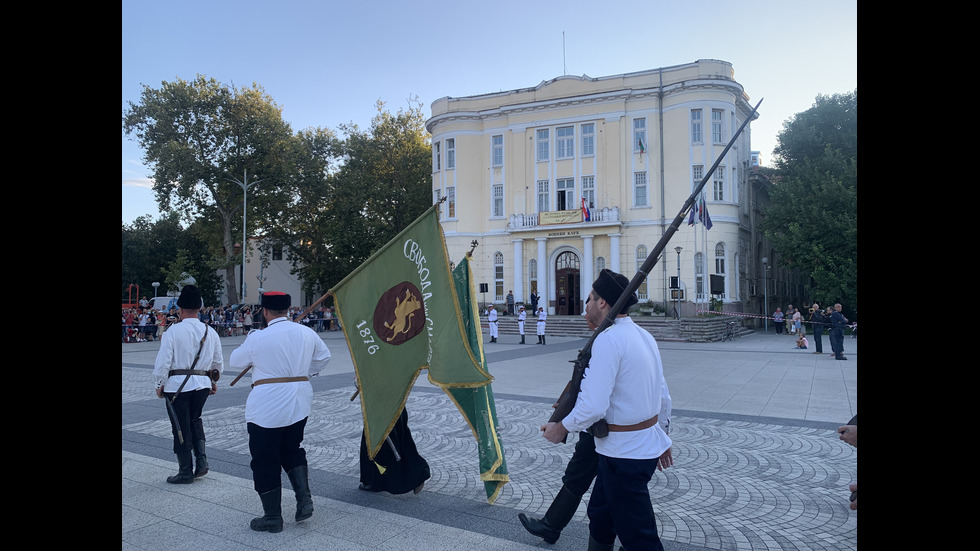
197 137
811 219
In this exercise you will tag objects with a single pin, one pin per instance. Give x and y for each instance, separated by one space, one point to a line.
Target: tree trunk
231 285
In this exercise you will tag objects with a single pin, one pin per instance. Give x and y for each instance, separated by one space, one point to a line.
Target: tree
343 216
811 219
196 136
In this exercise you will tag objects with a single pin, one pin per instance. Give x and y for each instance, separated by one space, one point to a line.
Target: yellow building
516 167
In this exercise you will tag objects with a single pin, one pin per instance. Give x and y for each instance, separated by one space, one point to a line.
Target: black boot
596 546
299 477
539 339
561 511
522 339
185 474
200 459
271 521
544 340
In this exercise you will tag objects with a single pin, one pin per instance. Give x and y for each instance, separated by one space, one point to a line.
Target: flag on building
699 211
476 404
400 315
586 215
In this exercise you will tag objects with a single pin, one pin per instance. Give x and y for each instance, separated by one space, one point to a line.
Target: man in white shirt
188 350
283 357
542 321
521 317
623 385
492 319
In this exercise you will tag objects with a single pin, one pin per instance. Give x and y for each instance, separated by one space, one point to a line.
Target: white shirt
283 349
178 346
624 384
492 316
521 316
542 316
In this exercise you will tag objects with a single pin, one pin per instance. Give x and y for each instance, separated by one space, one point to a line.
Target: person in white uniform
542 320
283 357
623 384
492 319
521 317
188 351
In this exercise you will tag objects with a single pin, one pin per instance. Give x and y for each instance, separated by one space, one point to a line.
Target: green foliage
811 219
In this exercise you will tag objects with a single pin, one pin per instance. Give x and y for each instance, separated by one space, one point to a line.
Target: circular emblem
400 314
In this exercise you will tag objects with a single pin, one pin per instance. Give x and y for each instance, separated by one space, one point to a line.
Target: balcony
608 216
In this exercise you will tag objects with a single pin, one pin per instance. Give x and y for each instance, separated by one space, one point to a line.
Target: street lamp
678 291
765 291
155 284
244 187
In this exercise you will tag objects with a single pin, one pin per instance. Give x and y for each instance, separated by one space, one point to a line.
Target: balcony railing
596 216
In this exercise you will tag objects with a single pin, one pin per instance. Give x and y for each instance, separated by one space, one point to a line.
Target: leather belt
187 372
279 380
638 426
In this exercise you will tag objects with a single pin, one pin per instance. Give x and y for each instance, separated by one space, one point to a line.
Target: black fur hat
190 298
610 285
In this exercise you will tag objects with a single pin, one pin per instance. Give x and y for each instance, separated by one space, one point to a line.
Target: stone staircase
663 329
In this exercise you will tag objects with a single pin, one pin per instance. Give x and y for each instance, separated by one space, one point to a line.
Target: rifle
566 402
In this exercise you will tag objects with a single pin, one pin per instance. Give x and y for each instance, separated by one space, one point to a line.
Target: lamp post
155 284
244 185
678 249
765 290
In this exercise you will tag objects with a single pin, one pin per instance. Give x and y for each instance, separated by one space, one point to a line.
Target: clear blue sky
326 62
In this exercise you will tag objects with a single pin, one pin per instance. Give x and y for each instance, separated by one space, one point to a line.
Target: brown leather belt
638 426
279 380
187 372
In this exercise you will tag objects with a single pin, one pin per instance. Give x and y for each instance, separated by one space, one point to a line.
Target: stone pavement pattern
746 477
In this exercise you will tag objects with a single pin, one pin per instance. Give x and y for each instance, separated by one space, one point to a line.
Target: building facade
577 174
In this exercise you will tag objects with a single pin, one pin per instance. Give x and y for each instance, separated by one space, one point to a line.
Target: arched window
498 276
641 256
532 275
720 265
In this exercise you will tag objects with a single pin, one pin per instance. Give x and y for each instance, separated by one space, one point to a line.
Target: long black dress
399 476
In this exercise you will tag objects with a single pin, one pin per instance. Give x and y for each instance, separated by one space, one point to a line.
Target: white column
518 270
544 290
588 267
614 253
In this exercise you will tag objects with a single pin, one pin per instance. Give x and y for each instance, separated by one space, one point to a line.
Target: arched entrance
567 283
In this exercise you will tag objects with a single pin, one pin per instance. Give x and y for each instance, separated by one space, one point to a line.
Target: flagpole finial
473 244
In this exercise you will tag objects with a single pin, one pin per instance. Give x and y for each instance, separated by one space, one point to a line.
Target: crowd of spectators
142 324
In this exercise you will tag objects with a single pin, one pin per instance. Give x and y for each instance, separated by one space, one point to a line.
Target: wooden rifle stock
566 402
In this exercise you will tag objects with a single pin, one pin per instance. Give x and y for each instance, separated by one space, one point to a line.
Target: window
532 275
697 174
436 157
450 153
735 187
564 142
543 193
497 200
588 190
641 257
716 125
565 194
588 140
277 252
718 184
696 126
543 144
497 150
498 276
720 261
639 135
640 189
451 201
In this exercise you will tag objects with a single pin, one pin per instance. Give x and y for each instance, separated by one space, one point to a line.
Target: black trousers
274 450
620 504
583 466
188 407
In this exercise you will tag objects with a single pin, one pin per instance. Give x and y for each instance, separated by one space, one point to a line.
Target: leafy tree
199 135
344 215
811 219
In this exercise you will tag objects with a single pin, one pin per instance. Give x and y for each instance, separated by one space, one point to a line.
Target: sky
327 62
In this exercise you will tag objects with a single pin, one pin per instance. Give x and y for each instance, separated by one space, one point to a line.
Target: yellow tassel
380 468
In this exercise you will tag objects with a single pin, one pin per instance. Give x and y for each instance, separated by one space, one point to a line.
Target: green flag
400 315
476 404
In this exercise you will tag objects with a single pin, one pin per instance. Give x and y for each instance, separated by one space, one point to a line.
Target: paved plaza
758 464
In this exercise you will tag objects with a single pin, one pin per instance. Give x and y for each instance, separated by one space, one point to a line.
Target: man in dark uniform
399 474
837 324
816 325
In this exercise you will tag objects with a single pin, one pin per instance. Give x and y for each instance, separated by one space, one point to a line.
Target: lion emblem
399 314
